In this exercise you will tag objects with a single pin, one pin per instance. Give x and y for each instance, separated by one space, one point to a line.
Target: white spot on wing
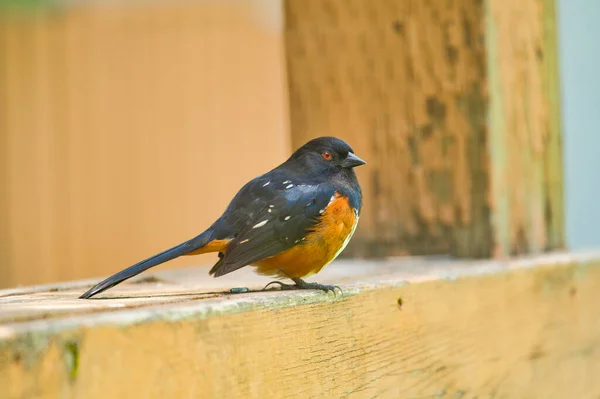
271 206
269 210
330 201
266 184
261 224
287 218
245 241
287 181
289 186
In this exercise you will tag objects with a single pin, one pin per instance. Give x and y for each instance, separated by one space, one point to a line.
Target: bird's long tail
172 253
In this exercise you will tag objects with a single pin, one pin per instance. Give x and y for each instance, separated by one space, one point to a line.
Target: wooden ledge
410 327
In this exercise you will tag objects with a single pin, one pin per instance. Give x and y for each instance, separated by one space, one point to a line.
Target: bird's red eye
327 155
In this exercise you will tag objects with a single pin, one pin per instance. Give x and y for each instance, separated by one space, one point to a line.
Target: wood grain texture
404 83
126 128
526 181
523 329
427 93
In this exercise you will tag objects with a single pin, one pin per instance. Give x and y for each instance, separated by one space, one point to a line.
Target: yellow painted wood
522 329
127 128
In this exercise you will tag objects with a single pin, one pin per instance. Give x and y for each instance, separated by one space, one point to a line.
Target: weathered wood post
455 107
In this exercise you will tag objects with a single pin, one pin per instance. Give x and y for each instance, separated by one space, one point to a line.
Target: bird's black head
326 155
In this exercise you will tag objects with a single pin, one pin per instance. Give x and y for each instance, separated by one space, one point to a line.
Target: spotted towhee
289 222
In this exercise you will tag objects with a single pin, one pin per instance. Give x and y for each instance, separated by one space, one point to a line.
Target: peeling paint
71 355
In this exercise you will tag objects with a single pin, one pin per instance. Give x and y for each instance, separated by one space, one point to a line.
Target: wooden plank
526 184
553 162
452 107
519 329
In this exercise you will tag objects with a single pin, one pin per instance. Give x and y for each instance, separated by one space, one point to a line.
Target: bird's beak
352 161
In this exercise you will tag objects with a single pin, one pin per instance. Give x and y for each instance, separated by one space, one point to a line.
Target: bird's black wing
280 218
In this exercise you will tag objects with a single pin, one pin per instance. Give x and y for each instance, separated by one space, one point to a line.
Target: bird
288 223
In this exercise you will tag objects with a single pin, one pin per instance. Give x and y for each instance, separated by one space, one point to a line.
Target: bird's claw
303 285
322 287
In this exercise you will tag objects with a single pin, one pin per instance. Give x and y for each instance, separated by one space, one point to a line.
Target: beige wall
126 129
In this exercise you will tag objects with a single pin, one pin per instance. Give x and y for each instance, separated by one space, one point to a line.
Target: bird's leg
303 285
283 286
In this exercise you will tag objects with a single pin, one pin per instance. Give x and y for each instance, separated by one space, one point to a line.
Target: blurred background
126 127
